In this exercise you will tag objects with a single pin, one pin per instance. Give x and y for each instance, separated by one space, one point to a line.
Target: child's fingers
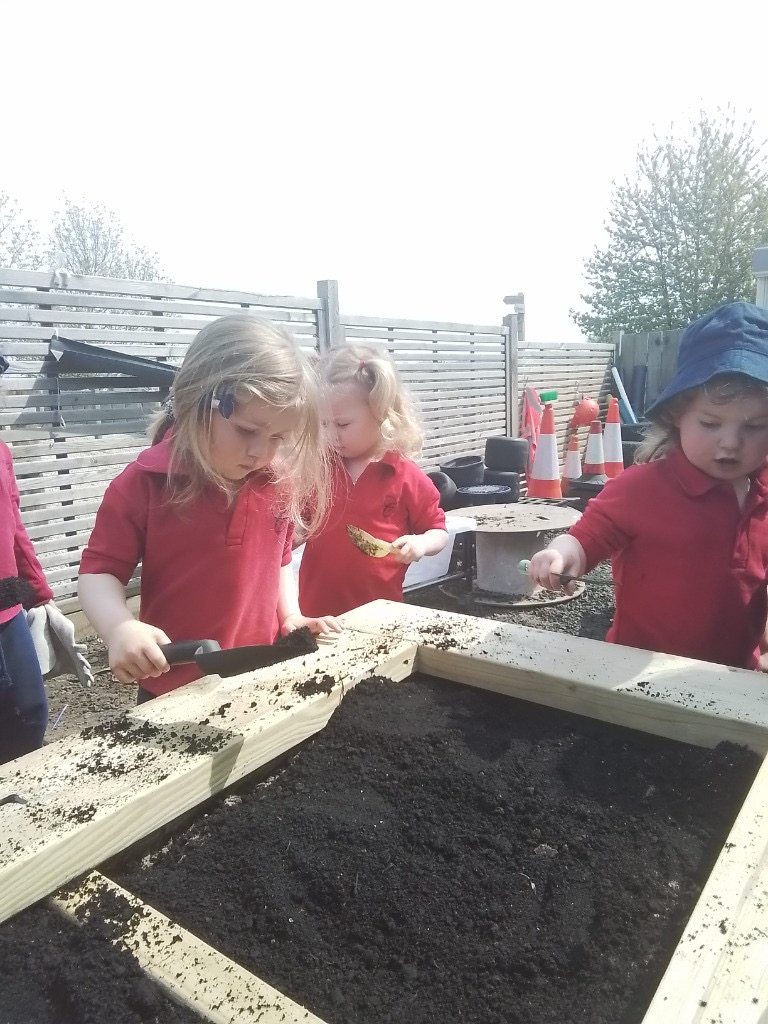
140 664
329 624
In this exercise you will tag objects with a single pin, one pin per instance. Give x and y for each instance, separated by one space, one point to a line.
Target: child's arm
134 647
289 614
564 555
412 547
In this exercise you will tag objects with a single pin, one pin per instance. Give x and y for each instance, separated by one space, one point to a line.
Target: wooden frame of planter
70 806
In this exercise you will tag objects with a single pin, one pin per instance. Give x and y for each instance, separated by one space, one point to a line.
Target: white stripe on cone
572 464
614 457
544 478
594 459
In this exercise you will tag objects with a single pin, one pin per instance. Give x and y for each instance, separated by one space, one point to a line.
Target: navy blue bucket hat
729 339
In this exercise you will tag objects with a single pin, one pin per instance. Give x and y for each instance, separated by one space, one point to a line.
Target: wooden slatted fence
573 370
458 373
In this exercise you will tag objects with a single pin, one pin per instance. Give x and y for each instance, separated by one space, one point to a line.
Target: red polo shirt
689 566
392 497
17 556
209 569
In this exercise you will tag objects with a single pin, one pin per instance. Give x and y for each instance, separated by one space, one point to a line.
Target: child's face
354 431
728 441
249 439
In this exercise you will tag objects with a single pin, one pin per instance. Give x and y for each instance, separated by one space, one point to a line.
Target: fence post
329 329
513 400
760 270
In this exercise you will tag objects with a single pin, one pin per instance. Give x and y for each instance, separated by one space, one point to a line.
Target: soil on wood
54 972
438 853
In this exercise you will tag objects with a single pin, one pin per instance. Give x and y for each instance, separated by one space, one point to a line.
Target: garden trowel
210 659
370 545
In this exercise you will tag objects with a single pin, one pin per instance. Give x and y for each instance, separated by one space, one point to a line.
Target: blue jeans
23 702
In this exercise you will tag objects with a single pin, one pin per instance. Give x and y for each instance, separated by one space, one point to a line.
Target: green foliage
681 234
90 240
19 241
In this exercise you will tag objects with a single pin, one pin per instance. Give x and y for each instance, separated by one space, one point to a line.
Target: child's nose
256 446
730 438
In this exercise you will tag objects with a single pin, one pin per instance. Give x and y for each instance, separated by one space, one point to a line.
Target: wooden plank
437 345
47 515
654 382
29 470
64 318
398 340
15 349
719 971
162 759
58 546
42 446
682 699
170 341
152 289
170 306
137 428
69 399
55 498
415 325
44 529
188 970
40 382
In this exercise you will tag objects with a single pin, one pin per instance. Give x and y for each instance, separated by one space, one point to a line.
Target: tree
90 240
19 241
682 233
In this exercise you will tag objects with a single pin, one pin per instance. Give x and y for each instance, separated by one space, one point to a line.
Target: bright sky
430 156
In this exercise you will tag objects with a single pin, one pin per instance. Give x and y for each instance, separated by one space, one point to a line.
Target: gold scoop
370 545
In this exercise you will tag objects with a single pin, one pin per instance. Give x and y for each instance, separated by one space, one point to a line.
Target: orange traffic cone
572 464
594 459
614 459
544 477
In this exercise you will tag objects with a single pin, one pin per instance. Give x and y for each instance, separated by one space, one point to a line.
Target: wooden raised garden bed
66 809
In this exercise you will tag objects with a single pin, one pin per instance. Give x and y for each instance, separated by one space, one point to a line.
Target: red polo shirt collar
695 482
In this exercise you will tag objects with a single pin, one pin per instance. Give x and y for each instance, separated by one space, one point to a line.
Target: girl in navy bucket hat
686 527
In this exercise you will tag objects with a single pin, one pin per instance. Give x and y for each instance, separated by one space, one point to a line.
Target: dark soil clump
439 853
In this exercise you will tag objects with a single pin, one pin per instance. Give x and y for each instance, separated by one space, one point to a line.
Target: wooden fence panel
573 370
458 374
656 352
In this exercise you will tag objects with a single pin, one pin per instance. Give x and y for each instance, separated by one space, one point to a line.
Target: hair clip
225 404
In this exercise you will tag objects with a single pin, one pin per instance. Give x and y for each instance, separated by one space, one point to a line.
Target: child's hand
325 624
409 548
546 567
134 651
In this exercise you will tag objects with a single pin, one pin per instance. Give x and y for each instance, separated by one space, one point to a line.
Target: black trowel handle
186 651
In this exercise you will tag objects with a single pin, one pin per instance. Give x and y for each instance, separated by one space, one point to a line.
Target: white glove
53 635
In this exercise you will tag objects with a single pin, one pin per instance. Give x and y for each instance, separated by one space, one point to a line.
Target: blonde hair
663 434
372 369
247 357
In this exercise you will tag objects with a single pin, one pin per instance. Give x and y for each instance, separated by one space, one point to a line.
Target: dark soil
440 854
56 973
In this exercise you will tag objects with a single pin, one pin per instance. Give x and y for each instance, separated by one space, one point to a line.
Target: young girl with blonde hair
376 486
687 528
209 509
